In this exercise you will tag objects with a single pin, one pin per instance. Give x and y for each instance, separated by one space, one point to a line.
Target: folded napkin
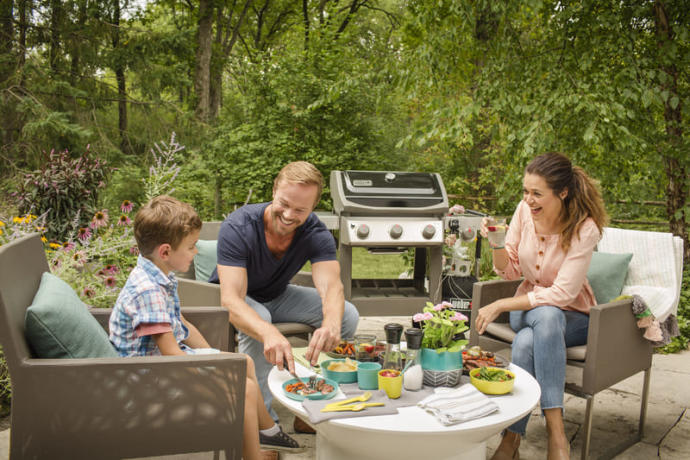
456 405
407 398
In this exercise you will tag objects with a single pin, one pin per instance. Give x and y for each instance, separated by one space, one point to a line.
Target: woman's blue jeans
543 334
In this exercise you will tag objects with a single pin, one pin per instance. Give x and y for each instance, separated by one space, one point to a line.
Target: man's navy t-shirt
242 243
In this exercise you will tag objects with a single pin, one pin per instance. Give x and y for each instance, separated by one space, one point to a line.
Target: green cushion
206 259
58 324
607 274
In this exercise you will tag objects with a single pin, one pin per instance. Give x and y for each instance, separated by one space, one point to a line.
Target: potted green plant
442 344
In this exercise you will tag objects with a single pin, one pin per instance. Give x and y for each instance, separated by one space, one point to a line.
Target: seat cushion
58 324
606 275
206 260
502 331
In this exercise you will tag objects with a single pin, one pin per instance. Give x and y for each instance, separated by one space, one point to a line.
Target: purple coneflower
134 250
111 269
79 257
100 219
126 206
84 233
56 264
68 246
124 220
88 292
110 282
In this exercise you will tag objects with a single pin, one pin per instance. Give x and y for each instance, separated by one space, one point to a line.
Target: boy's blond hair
300 172
162 220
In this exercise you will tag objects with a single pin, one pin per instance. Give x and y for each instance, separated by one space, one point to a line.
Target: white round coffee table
412 433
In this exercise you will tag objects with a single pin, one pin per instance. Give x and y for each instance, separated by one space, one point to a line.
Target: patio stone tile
676 444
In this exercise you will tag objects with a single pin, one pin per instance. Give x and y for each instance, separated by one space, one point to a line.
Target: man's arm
326 276
233 290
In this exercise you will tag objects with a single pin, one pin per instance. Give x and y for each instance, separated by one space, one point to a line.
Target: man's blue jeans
543 334
298 304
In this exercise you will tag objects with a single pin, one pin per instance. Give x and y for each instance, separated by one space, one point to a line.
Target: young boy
146 319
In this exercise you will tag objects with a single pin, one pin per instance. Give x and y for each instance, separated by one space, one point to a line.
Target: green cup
367 376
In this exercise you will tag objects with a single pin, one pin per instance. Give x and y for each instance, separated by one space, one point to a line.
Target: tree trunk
76 44
21 58
676 172
56 14
6 37
305 18
121 85
202 79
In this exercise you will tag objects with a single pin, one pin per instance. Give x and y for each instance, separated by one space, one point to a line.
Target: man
260 248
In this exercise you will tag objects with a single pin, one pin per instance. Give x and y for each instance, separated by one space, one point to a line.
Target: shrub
5 386
65 189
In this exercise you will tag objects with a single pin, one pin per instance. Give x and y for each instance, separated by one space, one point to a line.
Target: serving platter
314 396
500 361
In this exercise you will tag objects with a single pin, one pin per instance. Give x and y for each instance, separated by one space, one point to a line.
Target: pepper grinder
392 359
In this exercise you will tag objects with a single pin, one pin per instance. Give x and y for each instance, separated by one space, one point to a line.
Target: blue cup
368 376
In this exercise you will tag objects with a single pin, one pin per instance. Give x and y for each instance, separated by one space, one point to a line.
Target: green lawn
379 266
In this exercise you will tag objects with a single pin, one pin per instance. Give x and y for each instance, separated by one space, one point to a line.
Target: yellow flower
2 224
0 231
18 220
55 245
40 229
29 218
44 239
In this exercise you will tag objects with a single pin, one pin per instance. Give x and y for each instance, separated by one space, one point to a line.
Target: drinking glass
365 347
497 232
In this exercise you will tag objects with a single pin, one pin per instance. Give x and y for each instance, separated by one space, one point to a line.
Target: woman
549 242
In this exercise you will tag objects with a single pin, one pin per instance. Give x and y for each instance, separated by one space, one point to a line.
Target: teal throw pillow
607 274
58 324
206 259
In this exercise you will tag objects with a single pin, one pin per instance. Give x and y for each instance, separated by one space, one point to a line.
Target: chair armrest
195 293
486 292
212 323
616 348
157 404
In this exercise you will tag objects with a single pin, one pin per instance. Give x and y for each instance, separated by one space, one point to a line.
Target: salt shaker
413 376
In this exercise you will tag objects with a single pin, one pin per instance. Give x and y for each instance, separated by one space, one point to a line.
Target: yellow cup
392 385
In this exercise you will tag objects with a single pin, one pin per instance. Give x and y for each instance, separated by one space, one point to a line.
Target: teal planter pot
444 361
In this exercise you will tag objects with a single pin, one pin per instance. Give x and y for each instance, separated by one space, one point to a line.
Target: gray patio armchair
615 350
114 407
195 292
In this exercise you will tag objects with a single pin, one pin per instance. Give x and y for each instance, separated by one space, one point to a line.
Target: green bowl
340 377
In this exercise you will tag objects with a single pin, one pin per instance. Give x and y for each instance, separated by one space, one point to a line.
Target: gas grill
391 212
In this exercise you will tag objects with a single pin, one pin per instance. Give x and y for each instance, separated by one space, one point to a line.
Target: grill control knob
428 231
396 231
467 234
362 231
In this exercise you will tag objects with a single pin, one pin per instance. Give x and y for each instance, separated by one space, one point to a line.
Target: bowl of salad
492 380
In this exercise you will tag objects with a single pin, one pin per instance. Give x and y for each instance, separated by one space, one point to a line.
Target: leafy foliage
65 189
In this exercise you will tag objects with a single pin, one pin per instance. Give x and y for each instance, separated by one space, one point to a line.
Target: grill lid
388 193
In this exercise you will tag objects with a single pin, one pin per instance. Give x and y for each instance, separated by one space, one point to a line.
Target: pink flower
56 264
418 317
457 209
111 269
427 315
458 317
442 306
124 220
84 233
126 206
100 219
110 282
134 250
79 257
88 292
68 246
451 239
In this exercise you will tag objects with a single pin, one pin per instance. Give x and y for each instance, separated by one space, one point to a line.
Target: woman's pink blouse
552 277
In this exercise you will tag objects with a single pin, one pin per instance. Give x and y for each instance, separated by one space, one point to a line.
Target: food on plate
389 373
345 348
300 388
343 366
493 375
476 357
